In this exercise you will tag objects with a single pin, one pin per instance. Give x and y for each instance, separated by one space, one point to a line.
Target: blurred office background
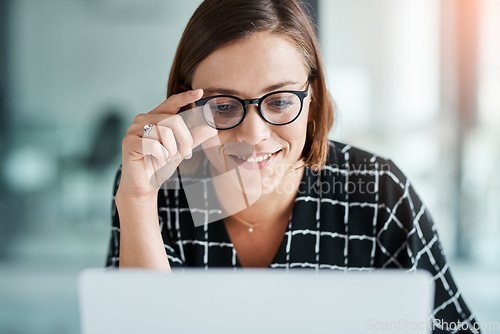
414 80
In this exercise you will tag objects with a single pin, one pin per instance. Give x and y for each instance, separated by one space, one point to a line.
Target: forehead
249 64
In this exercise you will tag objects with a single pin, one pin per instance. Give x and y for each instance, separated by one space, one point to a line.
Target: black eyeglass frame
244 102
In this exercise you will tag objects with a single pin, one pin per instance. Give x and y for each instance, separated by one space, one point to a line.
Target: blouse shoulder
381 198
364 167
347 156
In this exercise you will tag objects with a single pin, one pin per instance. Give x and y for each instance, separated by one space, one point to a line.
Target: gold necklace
250 226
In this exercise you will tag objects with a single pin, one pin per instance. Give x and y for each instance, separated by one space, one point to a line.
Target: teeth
256 159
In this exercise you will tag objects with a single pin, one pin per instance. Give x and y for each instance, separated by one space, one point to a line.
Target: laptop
254 301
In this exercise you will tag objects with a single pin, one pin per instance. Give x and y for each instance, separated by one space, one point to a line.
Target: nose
253 129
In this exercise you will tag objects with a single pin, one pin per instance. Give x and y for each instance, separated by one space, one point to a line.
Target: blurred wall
79 72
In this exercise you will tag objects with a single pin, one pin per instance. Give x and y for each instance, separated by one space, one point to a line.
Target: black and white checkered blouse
358 213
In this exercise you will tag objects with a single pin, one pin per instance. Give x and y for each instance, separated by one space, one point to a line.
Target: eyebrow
264 91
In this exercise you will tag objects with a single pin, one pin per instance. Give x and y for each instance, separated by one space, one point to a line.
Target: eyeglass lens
226 112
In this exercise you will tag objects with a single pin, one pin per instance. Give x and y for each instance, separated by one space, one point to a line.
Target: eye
222 107
280 104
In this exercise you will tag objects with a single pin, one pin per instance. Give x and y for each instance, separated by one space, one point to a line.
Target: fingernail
188 155
194 92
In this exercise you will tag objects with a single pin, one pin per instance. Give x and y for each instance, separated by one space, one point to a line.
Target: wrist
125 200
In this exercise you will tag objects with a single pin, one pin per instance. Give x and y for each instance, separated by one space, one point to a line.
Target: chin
255 185
269 185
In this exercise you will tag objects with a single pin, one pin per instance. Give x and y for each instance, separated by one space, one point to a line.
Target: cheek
210 148
296 132
213 150
213 144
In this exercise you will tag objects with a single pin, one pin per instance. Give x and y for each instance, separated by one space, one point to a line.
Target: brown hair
218 22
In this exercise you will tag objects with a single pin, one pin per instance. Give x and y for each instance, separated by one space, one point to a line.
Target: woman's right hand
168 143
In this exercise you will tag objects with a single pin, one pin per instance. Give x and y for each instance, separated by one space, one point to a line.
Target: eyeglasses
224 112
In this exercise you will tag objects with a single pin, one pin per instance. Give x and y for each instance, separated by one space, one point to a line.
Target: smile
256 161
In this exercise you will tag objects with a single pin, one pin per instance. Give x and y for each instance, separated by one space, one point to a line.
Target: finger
177 101
151 147
167 139
157 172
181 133
137 129
202 133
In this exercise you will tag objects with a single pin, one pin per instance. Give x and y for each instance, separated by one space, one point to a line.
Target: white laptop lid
254 301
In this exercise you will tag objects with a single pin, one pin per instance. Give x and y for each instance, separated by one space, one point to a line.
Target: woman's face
249 69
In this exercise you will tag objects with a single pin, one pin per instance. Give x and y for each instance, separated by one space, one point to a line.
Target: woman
247 95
